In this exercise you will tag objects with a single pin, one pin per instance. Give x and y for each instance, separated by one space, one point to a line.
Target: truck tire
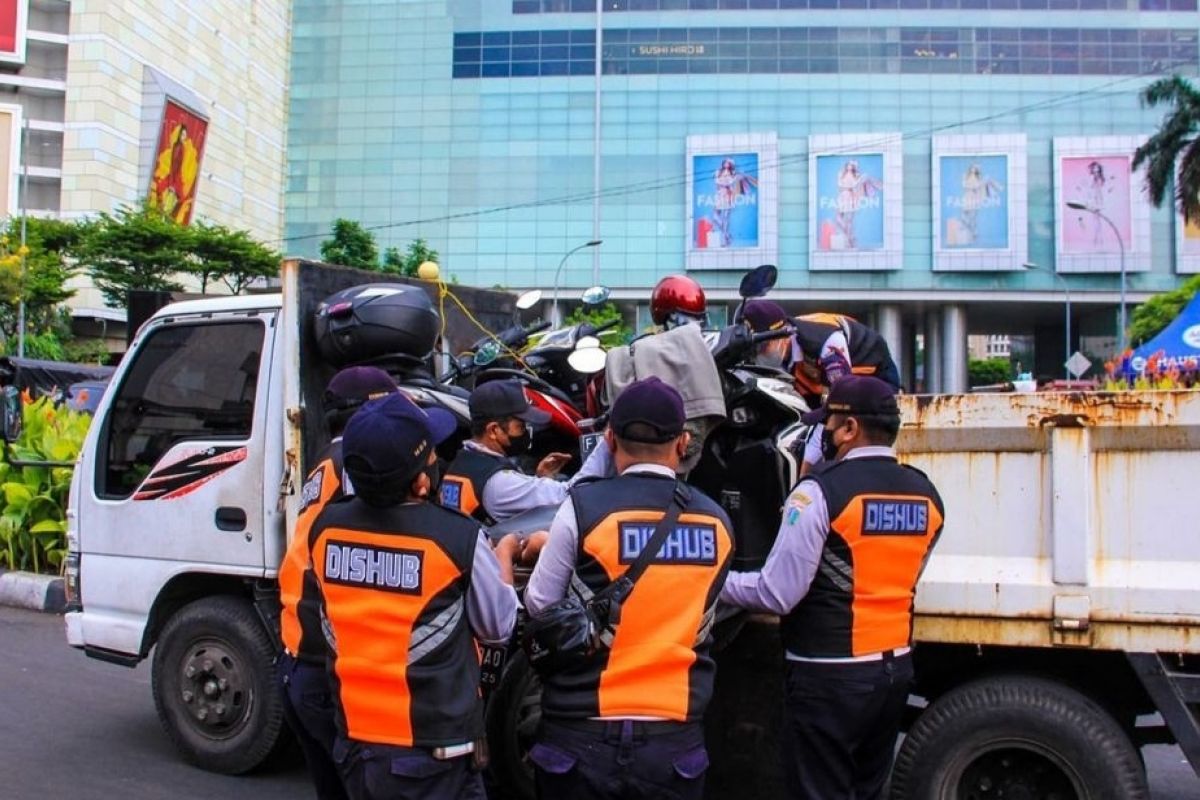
214 686
1017 737
514 713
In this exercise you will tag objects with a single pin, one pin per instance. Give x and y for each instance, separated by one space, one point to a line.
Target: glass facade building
507 133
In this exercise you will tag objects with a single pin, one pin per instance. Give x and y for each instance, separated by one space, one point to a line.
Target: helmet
351 388
677 299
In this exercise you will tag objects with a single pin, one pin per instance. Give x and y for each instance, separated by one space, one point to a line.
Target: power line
681 180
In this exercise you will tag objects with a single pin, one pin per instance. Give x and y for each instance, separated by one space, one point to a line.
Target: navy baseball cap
856 394
353 386
388 441
648 411
500 399
764 315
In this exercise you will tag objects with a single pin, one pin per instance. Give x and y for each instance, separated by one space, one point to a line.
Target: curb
35 592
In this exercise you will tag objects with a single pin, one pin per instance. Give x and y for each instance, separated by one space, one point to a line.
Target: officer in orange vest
855 536
628 723
307 698
407 588
485 480
822 349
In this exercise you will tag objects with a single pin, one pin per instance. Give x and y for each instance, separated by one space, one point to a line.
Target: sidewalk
36 592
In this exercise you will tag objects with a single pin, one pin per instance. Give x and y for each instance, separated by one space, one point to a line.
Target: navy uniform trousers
593 759
308 708
841 724
389 772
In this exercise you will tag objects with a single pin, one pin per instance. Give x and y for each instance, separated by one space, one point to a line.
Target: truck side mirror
11 417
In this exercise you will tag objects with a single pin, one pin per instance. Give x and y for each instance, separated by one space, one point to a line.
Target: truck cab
174 518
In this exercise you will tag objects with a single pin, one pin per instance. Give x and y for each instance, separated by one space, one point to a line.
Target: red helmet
677 295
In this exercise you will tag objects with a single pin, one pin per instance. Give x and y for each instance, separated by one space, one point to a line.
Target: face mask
771 356
434 473
829 450
518 444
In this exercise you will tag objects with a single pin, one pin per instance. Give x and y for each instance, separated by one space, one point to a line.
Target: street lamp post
558 272
1120 244
24 230
1067 317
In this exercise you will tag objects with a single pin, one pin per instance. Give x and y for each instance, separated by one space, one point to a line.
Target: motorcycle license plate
587 443
491 667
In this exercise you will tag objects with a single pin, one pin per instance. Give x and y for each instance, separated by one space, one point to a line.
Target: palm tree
1176 141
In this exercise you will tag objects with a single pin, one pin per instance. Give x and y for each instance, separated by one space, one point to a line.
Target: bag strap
679 498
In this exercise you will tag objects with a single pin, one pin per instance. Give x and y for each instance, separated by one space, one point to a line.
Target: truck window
187 382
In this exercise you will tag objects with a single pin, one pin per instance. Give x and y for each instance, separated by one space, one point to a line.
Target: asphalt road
78 728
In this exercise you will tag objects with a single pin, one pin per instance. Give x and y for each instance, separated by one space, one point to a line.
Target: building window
612 6
767 50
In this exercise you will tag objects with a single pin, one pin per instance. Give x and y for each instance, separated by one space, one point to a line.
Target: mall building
899 160
106 103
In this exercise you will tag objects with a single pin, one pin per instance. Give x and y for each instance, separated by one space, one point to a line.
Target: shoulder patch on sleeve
311 491
796 503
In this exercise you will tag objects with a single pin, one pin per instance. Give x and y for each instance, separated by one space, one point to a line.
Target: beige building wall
230 57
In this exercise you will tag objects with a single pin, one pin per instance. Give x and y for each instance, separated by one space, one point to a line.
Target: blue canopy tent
1177 342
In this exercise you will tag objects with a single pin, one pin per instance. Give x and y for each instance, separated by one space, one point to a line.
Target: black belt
614 728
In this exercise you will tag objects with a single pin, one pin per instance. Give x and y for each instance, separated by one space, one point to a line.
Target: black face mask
829 450
434 473
518 444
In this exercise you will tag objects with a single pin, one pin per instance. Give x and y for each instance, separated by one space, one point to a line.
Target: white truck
1060 611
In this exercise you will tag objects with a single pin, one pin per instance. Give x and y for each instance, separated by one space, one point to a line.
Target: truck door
177 474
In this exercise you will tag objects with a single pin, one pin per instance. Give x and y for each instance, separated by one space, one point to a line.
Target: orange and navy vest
885 518
462 485
658 664
300 620
394 585
869 354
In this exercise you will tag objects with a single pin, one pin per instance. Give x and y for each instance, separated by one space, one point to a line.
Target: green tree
393 262
217 253
621 333
1175 142
134 248
1152 316
46 271
350 245
988 371
417 253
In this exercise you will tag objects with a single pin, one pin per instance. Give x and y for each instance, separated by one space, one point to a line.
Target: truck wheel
214 686
1014 738
514 713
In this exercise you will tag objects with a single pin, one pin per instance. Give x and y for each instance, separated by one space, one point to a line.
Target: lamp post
1067 317
1120 243
558 272
24 229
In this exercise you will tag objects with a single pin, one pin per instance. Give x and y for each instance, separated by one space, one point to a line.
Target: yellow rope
443 293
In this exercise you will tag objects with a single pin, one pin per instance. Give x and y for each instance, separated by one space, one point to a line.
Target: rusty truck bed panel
1071 518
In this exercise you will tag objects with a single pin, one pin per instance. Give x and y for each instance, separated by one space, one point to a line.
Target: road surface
74 727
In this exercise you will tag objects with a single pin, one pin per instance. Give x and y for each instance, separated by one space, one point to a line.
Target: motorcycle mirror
486 354
758 281
587 360
529 299
595 295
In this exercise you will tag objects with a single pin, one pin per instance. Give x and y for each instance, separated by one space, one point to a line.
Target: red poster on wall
12 30
177 162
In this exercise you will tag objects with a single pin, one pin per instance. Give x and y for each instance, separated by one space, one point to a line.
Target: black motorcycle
756 440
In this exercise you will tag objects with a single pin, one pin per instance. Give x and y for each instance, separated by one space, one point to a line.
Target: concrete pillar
887 322
954 349
908 358
933 351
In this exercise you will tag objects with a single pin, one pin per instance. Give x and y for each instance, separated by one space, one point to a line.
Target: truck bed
1071 518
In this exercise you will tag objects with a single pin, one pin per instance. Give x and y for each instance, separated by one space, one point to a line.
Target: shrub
34 503
988 371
